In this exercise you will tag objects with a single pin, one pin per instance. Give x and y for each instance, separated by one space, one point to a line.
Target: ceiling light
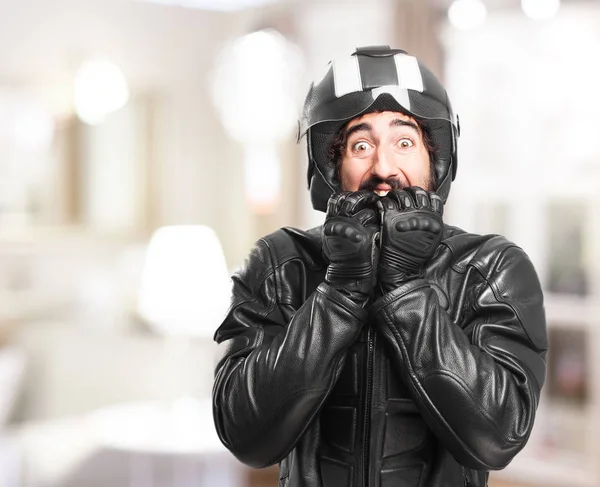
467 14
218 5
255 80
540 9
100 88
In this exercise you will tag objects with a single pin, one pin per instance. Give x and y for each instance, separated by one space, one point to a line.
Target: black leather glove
411 231
350 234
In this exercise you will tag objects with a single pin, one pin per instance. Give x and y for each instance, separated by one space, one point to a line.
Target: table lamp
184 294
185 285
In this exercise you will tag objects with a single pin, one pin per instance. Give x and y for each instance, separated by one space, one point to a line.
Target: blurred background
146 145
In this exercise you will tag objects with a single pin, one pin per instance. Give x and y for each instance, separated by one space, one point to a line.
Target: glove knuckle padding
342 232
328 229
411 232
349 245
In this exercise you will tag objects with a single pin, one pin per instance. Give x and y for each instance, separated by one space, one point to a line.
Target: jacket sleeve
477 391
272 377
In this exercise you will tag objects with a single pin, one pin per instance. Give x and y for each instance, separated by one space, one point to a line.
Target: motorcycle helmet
375 78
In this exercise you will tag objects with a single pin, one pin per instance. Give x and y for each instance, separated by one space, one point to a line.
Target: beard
428 181
375 181
393 183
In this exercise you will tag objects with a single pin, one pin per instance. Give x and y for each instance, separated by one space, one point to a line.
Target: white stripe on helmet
409 74
346 76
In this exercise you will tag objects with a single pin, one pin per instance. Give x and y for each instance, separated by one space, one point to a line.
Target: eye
360 146
405 143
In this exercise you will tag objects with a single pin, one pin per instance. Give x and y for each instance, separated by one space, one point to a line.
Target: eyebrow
397 122
358 128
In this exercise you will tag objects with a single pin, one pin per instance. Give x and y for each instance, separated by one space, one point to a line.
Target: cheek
352 173
418 166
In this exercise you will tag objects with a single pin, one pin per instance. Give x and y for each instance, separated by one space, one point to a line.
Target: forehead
376 118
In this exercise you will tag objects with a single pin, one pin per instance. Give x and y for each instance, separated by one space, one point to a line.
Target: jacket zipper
366 449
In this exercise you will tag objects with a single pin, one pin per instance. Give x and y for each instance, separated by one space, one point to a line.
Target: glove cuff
400 263
340 274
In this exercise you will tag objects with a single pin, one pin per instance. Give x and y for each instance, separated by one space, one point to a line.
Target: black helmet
375 78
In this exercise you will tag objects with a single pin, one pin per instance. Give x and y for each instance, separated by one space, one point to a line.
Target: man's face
384 151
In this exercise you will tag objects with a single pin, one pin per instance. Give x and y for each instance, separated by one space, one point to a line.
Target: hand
411 231
349 234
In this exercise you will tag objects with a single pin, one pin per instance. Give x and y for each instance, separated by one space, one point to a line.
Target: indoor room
147 145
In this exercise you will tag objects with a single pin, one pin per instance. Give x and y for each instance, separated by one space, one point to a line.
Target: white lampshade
540 9
100 88
467 14
185 286
253 87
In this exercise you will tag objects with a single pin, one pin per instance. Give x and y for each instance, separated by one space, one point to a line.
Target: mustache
375 181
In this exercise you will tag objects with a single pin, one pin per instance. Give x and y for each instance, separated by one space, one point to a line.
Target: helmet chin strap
313 166
320 190
443 188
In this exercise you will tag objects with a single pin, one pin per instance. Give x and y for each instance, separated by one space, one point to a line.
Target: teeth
382 192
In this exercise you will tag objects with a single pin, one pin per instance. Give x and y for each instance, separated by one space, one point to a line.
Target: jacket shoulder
253 291
481 251
289 243
509 274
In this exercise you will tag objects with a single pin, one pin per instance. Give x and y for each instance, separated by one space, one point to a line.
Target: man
384 348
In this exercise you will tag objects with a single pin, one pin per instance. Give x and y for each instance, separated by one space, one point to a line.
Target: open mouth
381 192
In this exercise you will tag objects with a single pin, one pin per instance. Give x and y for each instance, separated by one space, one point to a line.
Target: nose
384 165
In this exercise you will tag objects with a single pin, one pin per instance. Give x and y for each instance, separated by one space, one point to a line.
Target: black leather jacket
433 385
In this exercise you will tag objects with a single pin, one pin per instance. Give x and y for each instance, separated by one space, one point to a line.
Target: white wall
164 52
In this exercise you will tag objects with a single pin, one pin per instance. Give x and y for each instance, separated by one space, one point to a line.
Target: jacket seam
254 296
296 257
496 260
255 289
272 301
390 298
275 275
455 267
261 278
276 267
331 297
